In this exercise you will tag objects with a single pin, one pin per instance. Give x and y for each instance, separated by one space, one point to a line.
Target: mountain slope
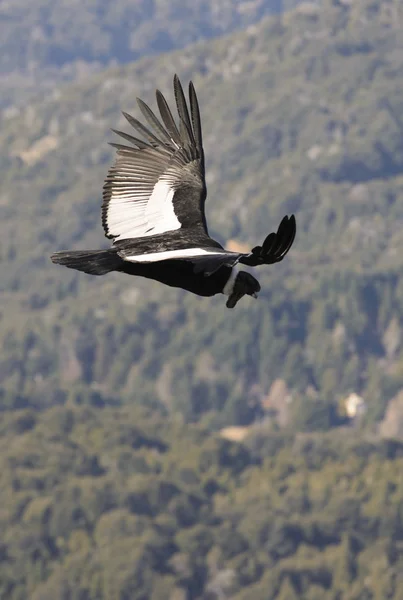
300 114
112 503
45 42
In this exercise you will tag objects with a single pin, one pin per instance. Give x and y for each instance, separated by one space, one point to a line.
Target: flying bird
153 211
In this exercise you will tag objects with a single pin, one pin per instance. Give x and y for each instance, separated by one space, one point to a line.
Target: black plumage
153 210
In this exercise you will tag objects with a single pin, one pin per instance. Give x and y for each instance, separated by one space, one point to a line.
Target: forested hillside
120 399
43 42
115 504
300 114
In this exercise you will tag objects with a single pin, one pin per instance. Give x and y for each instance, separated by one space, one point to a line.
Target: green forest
312 126
155 445
46 42
116 503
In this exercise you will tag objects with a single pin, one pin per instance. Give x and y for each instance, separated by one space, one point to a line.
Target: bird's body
153 210
180 274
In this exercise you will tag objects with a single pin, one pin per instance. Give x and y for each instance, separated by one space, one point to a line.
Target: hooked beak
236 296
233 299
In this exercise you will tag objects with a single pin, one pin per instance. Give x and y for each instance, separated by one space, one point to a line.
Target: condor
153 211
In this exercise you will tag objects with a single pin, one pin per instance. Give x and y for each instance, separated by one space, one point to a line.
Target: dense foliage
117 481
43 42
112 503
302 114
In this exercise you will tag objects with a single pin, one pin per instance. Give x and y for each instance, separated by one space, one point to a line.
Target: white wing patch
133 212
157 256
160 209
140 190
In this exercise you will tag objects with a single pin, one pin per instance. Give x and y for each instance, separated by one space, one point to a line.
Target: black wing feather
275 246
167 118
133 140
196 120
186 127
143 130
154 122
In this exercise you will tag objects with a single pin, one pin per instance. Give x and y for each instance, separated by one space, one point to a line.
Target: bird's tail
94 262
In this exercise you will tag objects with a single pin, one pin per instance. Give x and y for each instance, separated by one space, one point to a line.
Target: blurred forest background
154 445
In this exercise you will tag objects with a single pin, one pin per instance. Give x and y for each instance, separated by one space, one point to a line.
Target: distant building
355 406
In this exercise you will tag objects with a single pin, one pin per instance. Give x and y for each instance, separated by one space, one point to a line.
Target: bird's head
244 283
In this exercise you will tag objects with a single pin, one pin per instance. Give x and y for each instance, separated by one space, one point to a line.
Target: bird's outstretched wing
273 250
275 246
209 259
157 184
